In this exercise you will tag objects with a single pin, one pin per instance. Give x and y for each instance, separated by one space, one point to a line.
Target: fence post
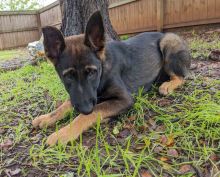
160 14
39 23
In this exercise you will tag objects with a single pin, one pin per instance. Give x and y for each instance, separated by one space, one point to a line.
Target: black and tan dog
100 76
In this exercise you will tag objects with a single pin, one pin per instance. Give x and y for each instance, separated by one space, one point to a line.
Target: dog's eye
69 75
90 72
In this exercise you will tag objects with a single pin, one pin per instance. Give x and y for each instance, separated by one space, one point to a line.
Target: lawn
176 135
11 54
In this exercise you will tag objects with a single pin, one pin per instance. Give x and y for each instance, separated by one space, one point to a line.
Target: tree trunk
75 15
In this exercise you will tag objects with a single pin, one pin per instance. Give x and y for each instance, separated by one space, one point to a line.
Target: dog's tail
176 55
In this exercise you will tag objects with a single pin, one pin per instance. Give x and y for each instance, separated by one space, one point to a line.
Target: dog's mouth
85 112
85 109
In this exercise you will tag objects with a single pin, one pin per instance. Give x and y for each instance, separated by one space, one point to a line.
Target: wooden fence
127 16
18 28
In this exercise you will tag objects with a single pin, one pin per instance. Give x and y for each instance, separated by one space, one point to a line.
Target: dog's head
78 61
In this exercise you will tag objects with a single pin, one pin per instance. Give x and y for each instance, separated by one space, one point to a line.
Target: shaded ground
177 135
15 53
15 59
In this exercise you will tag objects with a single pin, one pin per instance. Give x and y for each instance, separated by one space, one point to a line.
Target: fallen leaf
6 144
164 102
10 172
152 123
172 152
166 166
214 55
160 128
163 140
128 126
170 141
158 149
193 66
140 146
214 157
164 159
142 128
166 175
132 118
145 173
36 138
68 175
124 133
9 161
2 131
15 172
185 169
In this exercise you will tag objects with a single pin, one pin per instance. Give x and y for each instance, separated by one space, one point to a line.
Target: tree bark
75 15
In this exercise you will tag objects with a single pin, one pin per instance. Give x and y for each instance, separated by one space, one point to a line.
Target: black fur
178 63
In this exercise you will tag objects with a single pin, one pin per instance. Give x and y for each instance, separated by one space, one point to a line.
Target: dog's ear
95 32
54 43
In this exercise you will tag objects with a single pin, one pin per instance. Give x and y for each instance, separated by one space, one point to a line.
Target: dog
100 77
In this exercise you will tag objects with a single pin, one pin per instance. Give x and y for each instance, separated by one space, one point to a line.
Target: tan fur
172 42
75 44
83 122
73 130
101 54
90 67
68 70
51 118
168 87
78 125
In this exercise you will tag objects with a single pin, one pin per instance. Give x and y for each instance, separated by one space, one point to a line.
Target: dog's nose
84 108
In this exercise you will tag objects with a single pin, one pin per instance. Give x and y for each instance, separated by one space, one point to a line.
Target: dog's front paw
43 121
52 139
64 135
166 88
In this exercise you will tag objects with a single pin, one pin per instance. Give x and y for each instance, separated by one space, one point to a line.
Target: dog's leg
51 118
169 87
83 122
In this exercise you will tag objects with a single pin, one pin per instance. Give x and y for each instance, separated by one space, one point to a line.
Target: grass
195 135
10 54
201 46
124 37
187 122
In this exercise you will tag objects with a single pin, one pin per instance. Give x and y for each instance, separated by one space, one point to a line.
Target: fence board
217 8
211 8
11 40
51 16
17 22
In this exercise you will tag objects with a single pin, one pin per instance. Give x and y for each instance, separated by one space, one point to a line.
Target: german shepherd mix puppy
100 76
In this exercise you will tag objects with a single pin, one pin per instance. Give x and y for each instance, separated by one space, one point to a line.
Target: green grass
200 46
10 54
124 37
191 122
187 121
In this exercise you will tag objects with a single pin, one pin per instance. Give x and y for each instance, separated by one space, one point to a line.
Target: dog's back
138 59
